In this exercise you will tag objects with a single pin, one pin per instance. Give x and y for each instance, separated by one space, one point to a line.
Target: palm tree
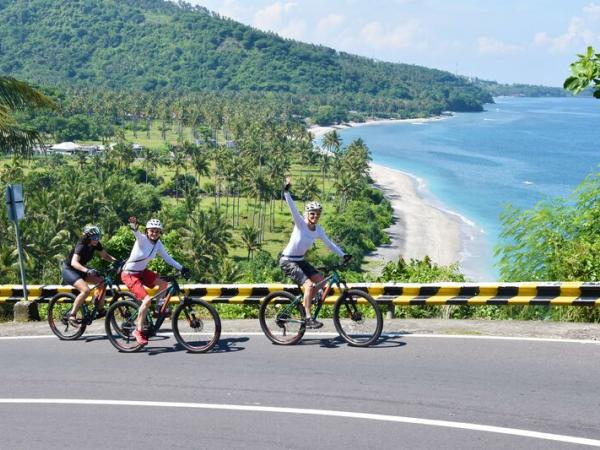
332 142
307 188
325 160
16 94
251 238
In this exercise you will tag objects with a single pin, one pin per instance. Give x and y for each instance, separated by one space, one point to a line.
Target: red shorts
135 282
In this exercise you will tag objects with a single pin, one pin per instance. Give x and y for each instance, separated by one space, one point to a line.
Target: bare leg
310 290
84 291
141 319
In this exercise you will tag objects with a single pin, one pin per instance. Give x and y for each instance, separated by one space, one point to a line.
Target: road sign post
15 206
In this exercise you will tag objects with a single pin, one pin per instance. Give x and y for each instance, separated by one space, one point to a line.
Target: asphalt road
320 394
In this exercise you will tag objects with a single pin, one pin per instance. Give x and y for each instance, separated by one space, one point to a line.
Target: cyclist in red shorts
135 275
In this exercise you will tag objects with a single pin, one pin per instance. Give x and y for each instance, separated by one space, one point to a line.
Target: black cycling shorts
70 275
299 271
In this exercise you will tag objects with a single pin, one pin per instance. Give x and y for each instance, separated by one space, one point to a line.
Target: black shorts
299 271
70 275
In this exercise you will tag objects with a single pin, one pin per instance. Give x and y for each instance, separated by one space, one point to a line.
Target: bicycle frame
89 314
171 290
326 284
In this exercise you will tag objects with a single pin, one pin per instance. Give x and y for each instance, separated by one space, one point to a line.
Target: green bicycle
195 323
356 315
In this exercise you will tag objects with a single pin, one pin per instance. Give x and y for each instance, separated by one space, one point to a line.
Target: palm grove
219 194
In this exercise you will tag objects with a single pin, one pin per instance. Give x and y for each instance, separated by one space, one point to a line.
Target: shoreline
420 228
318 131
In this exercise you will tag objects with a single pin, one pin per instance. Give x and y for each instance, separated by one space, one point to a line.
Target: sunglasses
95 237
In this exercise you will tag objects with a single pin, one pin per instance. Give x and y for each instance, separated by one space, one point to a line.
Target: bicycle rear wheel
58 314
196 325
357 318
120 325
282 319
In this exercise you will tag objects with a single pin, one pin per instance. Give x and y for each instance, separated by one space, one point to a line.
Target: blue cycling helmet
92 231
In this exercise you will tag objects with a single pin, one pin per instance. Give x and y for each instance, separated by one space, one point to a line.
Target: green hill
156 45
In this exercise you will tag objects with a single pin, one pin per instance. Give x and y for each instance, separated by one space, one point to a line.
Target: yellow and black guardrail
406 294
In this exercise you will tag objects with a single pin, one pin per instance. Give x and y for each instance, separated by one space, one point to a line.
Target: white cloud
402 36
272 16
491 46
592 9
330 22
577 36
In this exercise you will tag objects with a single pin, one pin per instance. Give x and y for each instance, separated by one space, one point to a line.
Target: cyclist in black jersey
78 275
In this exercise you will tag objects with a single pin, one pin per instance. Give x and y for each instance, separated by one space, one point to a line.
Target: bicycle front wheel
120 325
115 326
59 308
357 318
282 318
196 325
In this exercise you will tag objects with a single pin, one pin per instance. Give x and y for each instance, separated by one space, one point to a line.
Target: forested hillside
155 45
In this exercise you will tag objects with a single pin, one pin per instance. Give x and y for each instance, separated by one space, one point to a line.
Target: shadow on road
384 342
223 346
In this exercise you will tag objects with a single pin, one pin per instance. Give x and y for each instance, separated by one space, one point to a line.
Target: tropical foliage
15 94
585 72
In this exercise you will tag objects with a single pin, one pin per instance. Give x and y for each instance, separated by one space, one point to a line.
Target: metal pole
14 213
21 260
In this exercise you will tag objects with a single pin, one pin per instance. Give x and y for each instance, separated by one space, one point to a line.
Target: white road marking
402 335
315 412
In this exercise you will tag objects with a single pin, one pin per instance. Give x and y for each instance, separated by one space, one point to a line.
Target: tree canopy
158 45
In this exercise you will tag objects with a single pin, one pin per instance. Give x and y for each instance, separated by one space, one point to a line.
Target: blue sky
508 41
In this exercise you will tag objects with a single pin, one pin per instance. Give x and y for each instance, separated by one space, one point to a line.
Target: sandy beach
318 131
420 228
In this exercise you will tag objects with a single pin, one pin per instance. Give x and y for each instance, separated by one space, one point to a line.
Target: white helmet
154 223
313 206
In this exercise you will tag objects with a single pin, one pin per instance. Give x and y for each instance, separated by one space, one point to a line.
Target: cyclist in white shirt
306 231
135 275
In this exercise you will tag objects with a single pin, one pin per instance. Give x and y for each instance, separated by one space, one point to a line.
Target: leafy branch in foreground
585 71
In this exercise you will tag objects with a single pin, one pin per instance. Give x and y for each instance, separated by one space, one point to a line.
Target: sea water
518 152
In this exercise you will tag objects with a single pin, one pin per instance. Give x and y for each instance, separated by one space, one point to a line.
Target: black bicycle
195 323
61 304
356 315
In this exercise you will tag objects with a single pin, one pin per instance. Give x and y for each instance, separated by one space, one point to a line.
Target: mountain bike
356 315
195 323
61 304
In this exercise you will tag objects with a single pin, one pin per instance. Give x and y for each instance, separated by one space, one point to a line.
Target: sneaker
74 321
312 323
140 338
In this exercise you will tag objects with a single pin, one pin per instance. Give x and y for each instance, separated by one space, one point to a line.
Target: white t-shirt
303 237
144 251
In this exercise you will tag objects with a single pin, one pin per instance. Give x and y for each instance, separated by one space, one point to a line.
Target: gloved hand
133 223
92 273
118 264
185 273
347 257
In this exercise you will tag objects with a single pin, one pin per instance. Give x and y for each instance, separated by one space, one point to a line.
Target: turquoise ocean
519 151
